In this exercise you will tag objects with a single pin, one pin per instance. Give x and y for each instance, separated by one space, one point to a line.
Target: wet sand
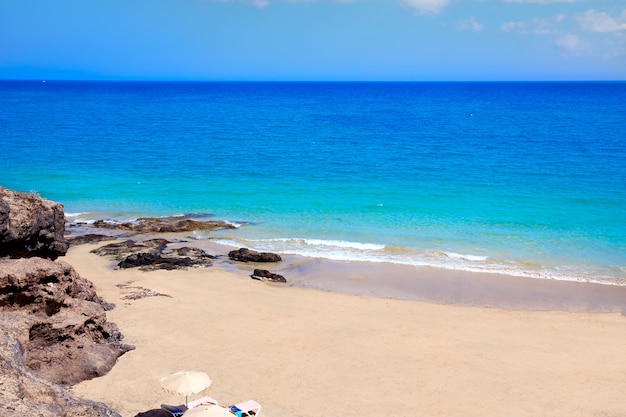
412 342
435 285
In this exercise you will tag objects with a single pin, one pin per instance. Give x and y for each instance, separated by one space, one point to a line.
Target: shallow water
522 178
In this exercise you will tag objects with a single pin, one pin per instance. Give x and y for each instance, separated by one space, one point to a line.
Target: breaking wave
339 250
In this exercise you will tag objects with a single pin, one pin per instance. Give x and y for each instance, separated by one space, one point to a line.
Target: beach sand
304 352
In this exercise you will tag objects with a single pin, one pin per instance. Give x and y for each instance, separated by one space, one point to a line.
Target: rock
88 238
265 275
247 255
53 326
153 261
30 226
58 319
121 250
42 285
153 254
164 225
23 393
137 293
140 259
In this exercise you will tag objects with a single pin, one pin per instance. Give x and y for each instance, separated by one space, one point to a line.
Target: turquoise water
523 178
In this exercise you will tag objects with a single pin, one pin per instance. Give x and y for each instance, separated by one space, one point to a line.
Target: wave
465 257
324 243
82 213
338 250
236 225
351 251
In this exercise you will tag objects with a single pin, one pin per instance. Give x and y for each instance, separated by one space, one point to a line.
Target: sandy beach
309 352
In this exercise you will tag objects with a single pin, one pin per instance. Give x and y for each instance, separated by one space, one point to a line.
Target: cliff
53 327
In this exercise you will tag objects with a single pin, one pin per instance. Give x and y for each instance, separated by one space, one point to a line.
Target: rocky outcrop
87 238
53 327
120 250
153 254
163 225
247 255
23 393
30 226
265 275
58 319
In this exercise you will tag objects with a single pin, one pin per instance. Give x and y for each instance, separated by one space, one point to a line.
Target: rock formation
163 225
30 226
88 238
265 275
53 327
58 319
247 255
153 254
23 393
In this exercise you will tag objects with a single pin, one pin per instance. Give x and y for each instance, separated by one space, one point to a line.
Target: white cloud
514 26
594 21
425 6
534 26
572 43
470 24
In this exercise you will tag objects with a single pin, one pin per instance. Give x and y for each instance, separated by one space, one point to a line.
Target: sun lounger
206 400
174 410
179 410
247 408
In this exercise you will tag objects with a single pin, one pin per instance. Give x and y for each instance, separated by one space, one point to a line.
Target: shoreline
315 351
410 282
432 284
357 251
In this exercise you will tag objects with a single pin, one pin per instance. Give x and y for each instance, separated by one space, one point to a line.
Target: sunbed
206 400
247 408
174 410
179 410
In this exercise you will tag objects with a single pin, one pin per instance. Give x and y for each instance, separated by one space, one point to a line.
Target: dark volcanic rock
152 261
140 259
247 255
164 225
121 250
88 238
30 226
58 319
265 275
153 254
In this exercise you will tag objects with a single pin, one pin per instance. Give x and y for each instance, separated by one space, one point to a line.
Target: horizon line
172 80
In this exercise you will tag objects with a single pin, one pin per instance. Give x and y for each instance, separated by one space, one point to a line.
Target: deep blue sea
523 178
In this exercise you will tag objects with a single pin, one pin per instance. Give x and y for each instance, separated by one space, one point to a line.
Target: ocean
524 178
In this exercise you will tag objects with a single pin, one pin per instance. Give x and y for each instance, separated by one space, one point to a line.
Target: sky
313 40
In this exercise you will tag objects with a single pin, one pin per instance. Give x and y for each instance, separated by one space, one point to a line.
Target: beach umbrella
212 411
186 383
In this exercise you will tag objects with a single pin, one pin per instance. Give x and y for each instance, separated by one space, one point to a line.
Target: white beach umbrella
212 411
186 383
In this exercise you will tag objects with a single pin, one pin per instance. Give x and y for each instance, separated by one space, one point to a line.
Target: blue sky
410 40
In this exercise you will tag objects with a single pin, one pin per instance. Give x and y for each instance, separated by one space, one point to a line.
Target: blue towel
176 411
